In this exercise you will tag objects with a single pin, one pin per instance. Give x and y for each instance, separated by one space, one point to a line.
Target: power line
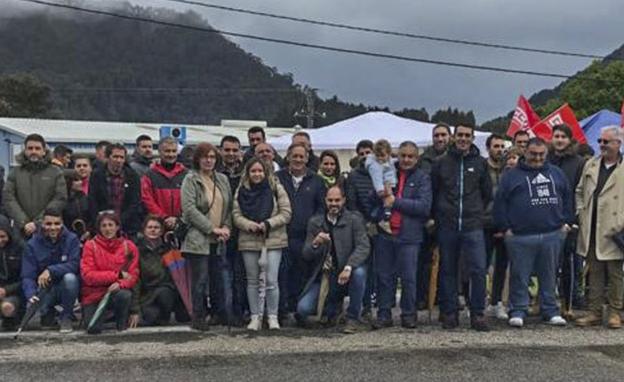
174 90
388 32
309 45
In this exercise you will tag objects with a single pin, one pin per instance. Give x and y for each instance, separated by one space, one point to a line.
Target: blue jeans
292 275
200 278
221 286
471 245
533 252
395 259
371 278
64 292
239 283
354 288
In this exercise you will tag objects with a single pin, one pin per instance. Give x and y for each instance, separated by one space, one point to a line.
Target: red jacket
160 190
101 264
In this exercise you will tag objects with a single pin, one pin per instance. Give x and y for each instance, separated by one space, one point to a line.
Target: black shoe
479 323
408 322
200 324
451 321
381 324
327 322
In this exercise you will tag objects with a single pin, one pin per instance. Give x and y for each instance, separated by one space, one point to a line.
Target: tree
23 95
600 86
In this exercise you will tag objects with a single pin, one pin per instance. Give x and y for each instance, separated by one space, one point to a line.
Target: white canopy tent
375 125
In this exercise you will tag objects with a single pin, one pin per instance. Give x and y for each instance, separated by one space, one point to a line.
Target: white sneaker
254 324
516 322
501 311
273 323
557 321
490 311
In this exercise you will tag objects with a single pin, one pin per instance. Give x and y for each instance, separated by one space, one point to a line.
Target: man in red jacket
160 186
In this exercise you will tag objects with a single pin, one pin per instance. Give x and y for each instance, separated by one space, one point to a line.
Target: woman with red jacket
109 263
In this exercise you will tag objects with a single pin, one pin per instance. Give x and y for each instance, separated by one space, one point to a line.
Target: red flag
563 115
524 117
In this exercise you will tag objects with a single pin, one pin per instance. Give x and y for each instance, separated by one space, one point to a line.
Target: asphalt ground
536 352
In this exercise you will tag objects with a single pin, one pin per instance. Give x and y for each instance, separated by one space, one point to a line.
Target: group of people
279 241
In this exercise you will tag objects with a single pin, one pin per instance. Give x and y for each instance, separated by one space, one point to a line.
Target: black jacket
359 189
414 206
461 190
77 207
306 202
430 155
11 260
572 166
153 275
570 163
132 209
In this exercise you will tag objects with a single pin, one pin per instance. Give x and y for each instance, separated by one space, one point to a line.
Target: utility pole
309 110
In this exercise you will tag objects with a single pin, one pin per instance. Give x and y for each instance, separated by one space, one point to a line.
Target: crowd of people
279 241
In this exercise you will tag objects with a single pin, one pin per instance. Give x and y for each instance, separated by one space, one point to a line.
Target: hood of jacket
473 151
5 225
136 157
24 162
109 245
525 167
176 170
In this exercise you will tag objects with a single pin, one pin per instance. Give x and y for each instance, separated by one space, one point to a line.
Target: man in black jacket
116 187
564 155
461 189
359 188
306 192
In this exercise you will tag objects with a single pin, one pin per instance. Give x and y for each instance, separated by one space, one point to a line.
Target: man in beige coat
600 208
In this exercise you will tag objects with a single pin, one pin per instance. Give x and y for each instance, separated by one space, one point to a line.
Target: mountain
103 68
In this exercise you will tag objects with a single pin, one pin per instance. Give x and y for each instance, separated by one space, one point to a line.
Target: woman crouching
110 263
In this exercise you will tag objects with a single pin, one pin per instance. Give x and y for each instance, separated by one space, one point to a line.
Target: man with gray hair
160 187
600 206
396 253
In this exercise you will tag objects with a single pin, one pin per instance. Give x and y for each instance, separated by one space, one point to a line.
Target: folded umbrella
101 308
181 275
31 310
103 304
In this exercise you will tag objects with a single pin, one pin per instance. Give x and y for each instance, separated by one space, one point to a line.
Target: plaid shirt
116 190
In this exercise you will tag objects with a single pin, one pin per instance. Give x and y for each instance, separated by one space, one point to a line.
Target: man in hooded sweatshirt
33 186
50 270
533 207
11 300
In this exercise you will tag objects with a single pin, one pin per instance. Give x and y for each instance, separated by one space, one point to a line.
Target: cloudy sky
574 25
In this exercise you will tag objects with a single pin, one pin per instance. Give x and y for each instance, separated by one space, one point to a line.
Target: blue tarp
594 123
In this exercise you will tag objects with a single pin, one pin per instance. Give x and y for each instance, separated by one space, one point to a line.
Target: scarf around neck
256 202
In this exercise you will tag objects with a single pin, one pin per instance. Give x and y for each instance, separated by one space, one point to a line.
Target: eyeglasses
606 141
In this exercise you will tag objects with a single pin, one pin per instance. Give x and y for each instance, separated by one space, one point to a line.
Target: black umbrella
31 310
